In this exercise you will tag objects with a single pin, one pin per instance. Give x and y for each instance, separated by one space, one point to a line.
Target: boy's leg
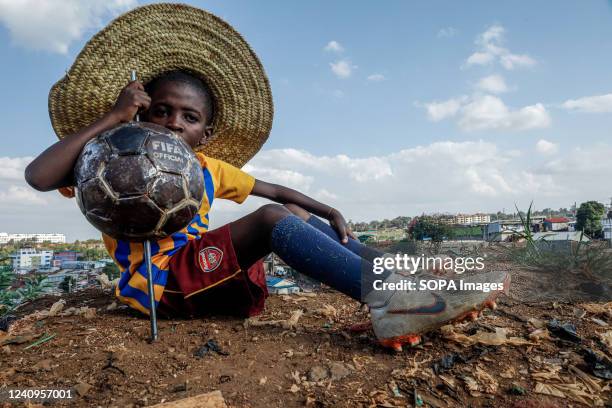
302 246
353 245
398 316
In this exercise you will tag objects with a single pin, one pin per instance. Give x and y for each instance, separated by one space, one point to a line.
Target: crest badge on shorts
210 258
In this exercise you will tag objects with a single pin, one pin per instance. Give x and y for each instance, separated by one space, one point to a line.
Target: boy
197 271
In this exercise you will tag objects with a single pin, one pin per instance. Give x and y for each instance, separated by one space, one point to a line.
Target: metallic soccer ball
138 181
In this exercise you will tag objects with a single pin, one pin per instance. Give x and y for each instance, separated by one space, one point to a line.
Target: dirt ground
316 361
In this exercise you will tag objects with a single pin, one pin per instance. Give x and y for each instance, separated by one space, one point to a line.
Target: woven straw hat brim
157 38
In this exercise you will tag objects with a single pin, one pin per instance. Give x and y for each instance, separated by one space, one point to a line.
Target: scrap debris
564 331
210 346
288 324
600 365
500 337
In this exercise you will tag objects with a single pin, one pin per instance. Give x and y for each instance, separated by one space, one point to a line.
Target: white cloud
289 178
342 68
20 195
437 111
334 46
487 112
369 169
337 93
448 176
12 168
480 58
582 165
324 195
23 209
492 84
376 78
490 49
511 61
51 25
447 32
590 104
547 148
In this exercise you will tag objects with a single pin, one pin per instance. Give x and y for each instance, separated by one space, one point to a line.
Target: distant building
63 258
561 236
5 238
82 264
82 279
466 219
502 230
606 224
556 224
280 286
54 279
560 241
446 219
29 258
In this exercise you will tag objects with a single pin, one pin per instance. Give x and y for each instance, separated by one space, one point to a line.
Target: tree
588 218
427 227
111 270
67 284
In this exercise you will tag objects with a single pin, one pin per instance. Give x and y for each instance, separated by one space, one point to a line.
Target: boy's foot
401 316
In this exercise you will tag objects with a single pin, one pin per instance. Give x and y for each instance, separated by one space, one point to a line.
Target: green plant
7 276
68 284
427 227
526 233
593 260
33 288
8 298
588 218
8 302
111 270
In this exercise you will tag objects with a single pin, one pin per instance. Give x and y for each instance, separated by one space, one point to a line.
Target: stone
317 373
212 399
42 365
338 371
82 388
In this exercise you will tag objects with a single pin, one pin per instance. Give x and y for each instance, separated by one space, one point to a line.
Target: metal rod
133 78
152 311
147 259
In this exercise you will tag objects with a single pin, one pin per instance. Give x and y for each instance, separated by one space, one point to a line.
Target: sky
381 109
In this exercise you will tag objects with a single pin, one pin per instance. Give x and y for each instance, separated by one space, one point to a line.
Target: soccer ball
138 181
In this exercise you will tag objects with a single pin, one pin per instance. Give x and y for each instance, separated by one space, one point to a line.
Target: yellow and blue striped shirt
221 180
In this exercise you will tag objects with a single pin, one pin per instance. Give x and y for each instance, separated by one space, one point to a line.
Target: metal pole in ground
147 259
152 311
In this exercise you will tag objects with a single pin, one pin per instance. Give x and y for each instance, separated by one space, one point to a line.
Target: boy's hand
132 98
337 221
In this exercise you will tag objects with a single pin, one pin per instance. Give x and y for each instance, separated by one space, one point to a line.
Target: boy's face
180 108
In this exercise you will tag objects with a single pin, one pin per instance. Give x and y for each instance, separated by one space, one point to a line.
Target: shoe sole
412 339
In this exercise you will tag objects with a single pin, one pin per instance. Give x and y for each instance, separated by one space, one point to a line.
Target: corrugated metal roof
556 219
279 283
560 236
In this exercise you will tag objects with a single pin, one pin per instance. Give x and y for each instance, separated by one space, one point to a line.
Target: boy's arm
285 195
54 167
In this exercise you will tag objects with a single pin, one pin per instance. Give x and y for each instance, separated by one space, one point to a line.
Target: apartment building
5 238
27 259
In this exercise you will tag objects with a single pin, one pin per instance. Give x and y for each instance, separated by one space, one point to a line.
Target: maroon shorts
205 278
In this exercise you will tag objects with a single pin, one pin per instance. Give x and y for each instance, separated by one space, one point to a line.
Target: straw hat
161 37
